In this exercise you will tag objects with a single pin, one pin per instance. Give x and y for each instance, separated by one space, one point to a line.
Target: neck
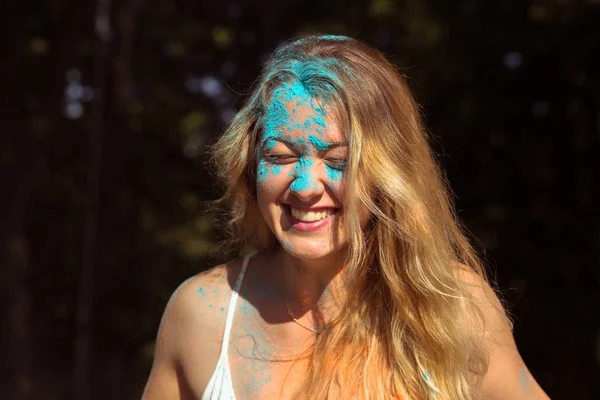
312 285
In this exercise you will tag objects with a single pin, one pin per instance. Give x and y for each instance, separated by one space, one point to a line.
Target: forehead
293 112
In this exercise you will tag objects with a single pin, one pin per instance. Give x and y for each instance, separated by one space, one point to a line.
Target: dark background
107 109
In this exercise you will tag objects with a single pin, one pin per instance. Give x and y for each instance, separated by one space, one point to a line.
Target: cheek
271 180
336 182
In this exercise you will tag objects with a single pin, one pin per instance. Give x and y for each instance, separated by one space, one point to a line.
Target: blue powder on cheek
201 291
262 171
334 174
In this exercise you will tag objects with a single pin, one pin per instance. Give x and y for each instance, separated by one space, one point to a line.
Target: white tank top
220 386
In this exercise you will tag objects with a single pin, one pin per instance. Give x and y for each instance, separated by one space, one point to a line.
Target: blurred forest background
107 109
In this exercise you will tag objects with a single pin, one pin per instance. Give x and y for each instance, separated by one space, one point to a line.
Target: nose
307 183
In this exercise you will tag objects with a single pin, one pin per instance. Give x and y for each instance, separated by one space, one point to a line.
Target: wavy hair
412 328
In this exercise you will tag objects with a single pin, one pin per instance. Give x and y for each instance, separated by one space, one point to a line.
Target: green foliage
222 36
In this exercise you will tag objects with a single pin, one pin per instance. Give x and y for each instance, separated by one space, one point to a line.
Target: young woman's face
300 180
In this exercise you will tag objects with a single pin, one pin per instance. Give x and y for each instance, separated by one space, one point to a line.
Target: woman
364 285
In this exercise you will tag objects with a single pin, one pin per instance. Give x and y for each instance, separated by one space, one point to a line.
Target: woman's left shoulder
507 375
479 290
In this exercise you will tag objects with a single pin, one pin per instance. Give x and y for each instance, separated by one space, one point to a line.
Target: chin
309 249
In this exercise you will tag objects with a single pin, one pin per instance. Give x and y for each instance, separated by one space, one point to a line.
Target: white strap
232 302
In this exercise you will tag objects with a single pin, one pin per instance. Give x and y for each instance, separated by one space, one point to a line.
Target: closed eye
281 159
337 163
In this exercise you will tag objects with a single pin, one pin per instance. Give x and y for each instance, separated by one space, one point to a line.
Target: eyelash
336 163
281 159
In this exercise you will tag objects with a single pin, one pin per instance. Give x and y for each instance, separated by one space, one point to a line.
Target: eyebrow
330 145
337 144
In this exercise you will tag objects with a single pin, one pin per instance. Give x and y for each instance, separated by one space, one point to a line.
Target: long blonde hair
411 328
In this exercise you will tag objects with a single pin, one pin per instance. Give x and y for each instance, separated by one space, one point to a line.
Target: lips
310 219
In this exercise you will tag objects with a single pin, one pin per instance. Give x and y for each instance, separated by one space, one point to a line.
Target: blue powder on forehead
302 143
320 121
304 91
277 117
318 143
320 111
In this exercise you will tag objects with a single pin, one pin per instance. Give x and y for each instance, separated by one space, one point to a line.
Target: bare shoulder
507 375
199 299
484 295
190 334
197 308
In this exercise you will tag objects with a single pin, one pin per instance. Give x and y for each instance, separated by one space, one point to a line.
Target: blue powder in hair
335 38
296 91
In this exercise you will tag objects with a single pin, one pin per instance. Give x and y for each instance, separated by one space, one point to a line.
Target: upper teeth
311 215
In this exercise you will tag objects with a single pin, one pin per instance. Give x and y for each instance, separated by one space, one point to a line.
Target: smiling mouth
308 217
